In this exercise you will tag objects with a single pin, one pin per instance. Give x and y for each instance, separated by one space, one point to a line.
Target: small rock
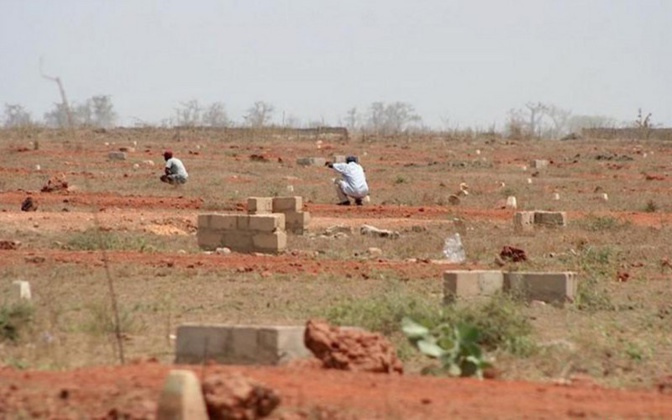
374 252
223 251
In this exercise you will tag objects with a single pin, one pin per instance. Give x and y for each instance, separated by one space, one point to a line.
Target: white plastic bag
454 250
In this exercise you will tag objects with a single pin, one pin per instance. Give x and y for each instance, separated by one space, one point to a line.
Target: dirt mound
56 183
236 397
510 253
352 350
29 204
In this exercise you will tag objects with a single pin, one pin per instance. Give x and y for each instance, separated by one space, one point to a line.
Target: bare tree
65 108
351 120
391 118
103 111
259 114
59 117
215 116
188 114
15 116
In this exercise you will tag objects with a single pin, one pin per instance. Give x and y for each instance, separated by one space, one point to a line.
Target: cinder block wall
263 229
558 287
296 220
526 221
243 232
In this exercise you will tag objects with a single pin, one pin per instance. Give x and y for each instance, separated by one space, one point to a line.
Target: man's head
167 154
351 159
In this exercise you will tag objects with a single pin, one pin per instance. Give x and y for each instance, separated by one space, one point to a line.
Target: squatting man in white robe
352 183
174 172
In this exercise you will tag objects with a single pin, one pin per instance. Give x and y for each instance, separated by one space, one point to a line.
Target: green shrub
14 319
457 347
500 322
382 313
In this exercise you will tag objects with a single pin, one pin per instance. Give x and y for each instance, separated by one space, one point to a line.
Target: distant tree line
533 120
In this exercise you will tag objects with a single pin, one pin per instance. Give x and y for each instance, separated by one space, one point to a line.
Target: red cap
168 154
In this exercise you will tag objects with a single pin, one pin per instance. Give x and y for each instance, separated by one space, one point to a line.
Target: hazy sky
467 62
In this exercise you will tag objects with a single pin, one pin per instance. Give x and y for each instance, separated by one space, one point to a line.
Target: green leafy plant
456 347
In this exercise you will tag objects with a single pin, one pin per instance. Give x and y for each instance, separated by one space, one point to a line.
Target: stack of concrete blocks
311 161
539 164
244 232
525 221
240 345
554 287
296 220
116 156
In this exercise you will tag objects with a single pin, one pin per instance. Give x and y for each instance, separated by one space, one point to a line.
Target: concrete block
116 156
238 241
259 205
281 344
181 398
311 161
297 222
558 287
224 221
550 218
230 344
285 204
539 164
203 221
209 239
243 221
458 284
523 221
267 222
270 242
339 158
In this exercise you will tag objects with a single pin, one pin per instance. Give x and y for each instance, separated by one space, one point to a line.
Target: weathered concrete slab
539 164
550 218
116 156
209 239
459 284
234 344
181 398
311 161
297 222
555 287
523 221
270 242
266 222
259 205
223 221
287 204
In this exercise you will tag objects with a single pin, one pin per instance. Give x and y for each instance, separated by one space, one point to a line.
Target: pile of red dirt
351 349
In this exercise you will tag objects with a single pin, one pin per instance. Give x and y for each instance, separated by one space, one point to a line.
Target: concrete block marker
550 218
270 242
259 205
460 284
267 222
539 164
181 398
235 344
523 221
287 204
223 221
297 222
557 287
311 161
116 156
208 239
